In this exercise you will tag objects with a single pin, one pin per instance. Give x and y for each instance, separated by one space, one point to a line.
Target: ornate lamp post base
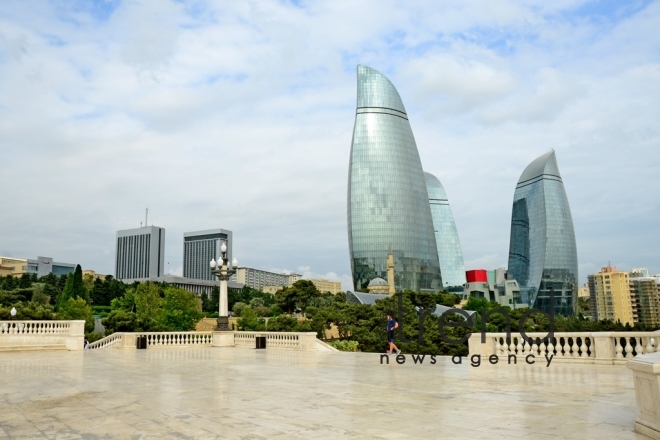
223 324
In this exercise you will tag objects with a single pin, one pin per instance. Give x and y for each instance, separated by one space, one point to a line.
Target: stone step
52 347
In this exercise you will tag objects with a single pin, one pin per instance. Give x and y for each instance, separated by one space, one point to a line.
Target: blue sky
110 106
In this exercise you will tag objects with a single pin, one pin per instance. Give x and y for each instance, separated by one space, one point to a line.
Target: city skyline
109 107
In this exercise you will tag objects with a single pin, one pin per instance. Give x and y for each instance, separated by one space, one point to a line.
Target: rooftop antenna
146 215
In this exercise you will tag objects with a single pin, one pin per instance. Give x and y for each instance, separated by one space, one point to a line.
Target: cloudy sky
239 115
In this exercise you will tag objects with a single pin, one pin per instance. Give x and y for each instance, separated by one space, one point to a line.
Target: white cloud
239 115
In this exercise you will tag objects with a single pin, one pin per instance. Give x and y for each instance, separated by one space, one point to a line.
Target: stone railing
584 347
154 339
177 338
290 340
646 377
41 335
107 342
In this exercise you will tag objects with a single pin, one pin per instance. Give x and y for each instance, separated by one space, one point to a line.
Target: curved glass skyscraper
542 250
388 208
450 254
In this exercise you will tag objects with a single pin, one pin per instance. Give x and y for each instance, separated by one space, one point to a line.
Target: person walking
391 326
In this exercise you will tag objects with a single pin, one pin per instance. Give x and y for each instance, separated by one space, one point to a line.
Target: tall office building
140 253
388 207
542 250
199 248
615 300
450 254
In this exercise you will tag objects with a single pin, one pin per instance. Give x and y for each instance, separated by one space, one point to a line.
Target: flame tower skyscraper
388 206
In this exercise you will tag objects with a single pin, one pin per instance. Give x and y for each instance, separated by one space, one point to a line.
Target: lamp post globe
221 270
13 311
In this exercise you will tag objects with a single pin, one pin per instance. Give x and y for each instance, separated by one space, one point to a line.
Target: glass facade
388 208
542 250
450 254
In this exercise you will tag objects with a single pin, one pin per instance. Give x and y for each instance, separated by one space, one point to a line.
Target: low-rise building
97 276
378 285
12 266
258 279
493 285
40 267
190 284
583 292
333 287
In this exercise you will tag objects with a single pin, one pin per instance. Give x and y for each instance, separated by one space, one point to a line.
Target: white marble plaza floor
276 394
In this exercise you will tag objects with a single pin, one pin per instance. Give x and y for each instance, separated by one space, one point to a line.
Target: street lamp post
223 271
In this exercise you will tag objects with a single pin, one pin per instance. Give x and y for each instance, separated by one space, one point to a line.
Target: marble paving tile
232 393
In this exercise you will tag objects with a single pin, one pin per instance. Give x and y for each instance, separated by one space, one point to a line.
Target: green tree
34 311
99 293
256 302
78 288
119 321
239 307
180 310
77 308
147 306
25 281
67 292
282 323
39 295
249 321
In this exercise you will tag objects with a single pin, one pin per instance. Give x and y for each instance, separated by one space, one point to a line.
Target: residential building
388 204
140 253
258 279
200 247
542 249
495 285
615 300
450 254
647 293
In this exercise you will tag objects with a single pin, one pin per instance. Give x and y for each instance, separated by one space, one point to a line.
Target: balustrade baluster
618 348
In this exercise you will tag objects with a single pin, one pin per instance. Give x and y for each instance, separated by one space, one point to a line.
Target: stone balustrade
287 340
646 377
290 340
41 335
582 347
163 339
114 340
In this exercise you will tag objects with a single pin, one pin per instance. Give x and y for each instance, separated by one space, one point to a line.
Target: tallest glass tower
542 250
388 208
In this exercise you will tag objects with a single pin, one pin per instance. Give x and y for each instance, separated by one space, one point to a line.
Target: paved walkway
241 393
